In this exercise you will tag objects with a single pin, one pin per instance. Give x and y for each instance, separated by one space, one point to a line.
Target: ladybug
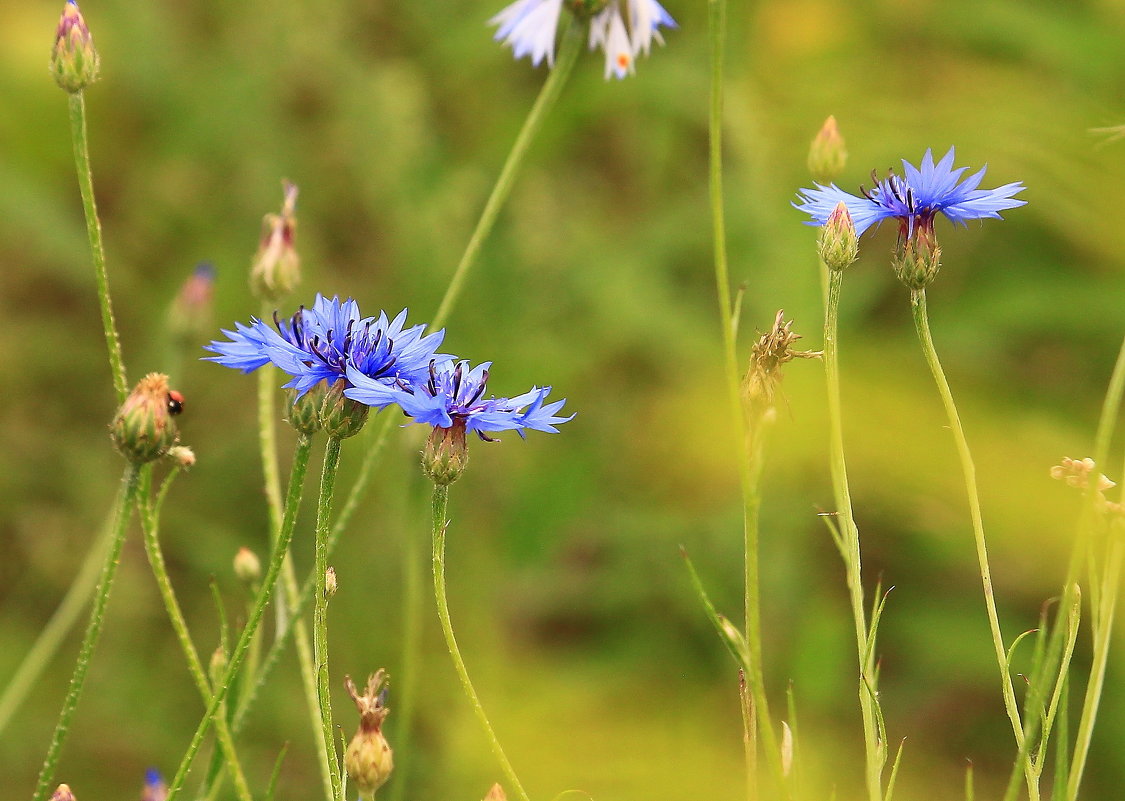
175 402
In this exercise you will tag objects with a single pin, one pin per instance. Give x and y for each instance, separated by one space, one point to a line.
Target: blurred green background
570 598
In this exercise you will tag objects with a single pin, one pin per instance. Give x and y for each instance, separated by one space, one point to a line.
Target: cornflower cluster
379 362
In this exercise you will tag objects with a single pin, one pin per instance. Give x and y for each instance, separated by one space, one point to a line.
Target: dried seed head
773 349
369 760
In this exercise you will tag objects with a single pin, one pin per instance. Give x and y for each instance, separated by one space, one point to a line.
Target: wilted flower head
369 760
915 198
772 350
330 341
529 26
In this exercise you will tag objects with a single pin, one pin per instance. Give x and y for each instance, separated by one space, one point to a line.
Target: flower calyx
143 429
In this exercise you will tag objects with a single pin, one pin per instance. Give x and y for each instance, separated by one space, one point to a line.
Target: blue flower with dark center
452 395
329 340
915 198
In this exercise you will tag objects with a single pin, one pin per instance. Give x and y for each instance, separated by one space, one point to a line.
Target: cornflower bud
369 760
446 454
772 350
837 245
827 153
496 793
189 316
62 793
276 268
155 787
247 566
917 258
143 428
340 416
74 61
1076 473
304 412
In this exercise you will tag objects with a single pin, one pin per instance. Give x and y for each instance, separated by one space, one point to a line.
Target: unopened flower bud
837 244
917 258
247 566
276 268
182 455
62 793
304 412
330 582
496 793
74 61
342 417
143 428
1077 472
446 454
369 760
189 316
155 787
827 154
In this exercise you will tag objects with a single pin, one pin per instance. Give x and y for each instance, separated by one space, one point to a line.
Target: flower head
915 198
331 341
74 61
155 788
529 26
453 395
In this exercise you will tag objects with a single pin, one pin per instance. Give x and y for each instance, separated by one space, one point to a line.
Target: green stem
288 522
287 616
94 234
411 655
58 627
440 503
751 500
571 45
150 529
874 751
1102 635
126 503
968 470
320 612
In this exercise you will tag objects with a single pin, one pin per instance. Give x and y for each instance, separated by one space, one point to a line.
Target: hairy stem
288 522
126 503
320 612
440 503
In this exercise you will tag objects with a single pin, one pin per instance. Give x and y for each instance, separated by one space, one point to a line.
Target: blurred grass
574 610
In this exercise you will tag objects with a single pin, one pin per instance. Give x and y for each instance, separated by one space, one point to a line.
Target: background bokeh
571 600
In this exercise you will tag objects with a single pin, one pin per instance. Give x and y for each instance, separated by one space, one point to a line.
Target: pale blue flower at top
452 394
530 27
914 198
325 341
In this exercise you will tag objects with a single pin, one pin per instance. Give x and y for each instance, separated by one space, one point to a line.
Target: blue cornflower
915 198
529 26
155 787
329 340
452 396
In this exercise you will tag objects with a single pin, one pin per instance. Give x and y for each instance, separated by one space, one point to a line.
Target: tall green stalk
747 472
874 750
439 506
968 471
77 102
150 528
320 612
288 522
288 616
126 504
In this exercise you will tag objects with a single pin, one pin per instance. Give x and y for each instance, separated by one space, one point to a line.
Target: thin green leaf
894 770
272 787
730 635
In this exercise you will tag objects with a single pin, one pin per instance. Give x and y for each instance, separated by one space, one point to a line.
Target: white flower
529 27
